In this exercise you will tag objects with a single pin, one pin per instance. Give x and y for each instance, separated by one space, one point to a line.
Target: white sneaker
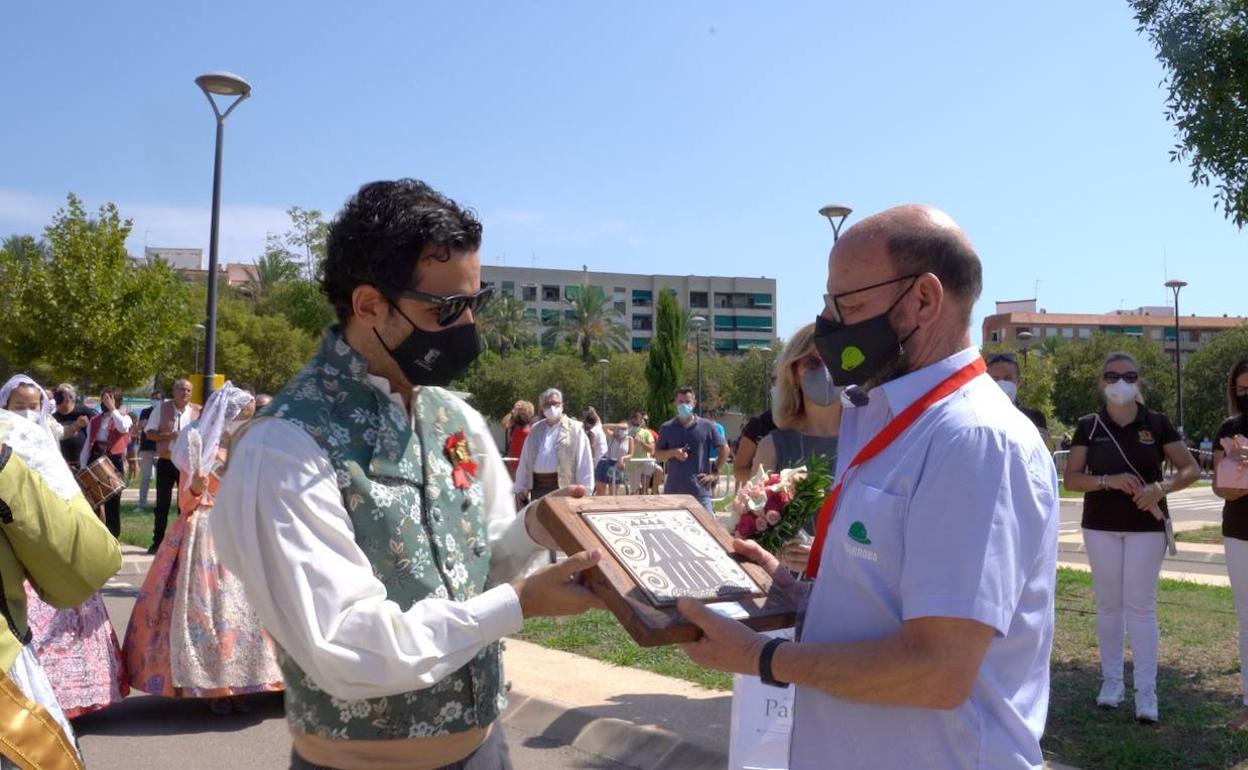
1146 706
1112 694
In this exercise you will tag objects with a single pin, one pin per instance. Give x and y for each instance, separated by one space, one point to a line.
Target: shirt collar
382 385
905 390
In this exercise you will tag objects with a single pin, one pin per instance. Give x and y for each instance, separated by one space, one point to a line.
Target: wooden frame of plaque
656 548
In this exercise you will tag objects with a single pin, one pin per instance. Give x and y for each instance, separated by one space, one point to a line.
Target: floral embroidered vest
424 536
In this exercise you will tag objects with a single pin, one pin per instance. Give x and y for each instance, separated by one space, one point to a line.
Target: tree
1077 372
591 321
1036 370
665 368
1203 46
303 244
273 269
1205 375
24 248
504 327
86 313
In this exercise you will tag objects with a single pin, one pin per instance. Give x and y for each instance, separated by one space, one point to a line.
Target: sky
684 138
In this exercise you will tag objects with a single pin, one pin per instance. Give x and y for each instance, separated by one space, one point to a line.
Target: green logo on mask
858 533
851 358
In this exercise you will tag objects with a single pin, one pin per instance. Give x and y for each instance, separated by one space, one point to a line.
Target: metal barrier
1059 461
1204 460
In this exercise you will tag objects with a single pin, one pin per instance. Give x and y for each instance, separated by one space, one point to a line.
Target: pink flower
773 479
760 524
773 517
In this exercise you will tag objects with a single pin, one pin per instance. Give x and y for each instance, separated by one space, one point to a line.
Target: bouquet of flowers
772 508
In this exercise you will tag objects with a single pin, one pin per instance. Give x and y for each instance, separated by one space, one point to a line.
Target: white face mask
1121 392
552 412
34 415
1011 390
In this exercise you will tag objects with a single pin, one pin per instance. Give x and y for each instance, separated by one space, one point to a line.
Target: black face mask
856 353
434 358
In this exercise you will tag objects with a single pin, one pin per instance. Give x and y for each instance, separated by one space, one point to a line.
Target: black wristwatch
764 663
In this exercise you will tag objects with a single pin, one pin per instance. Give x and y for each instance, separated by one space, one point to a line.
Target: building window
1156 334
761 301
1068 332
1050 331
725 346
1193 336
571 293
569 315
619 294
725 323
530 314
1085 333
698 299
642 298
550 293
643 323
754 323
550 317
994 336
621 307
529 293
640 344
509 288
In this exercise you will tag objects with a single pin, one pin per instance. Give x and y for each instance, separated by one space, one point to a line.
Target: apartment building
1153 322
740 312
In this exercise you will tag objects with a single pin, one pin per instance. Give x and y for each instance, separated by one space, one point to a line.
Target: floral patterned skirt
192 633
79 652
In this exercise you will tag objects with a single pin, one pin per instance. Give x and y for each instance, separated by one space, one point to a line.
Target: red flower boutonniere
462 466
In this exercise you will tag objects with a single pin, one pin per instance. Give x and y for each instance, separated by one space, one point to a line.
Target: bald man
928 628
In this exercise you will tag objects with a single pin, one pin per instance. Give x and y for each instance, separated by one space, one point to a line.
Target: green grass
1211 534
136 525
1198 678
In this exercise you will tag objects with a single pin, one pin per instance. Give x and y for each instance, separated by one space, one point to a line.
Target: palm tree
503 325
272 269
591 321
25 248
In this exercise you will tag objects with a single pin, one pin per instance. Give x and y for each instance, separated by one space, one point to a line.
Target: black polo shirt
1234 512
758 426
1142 440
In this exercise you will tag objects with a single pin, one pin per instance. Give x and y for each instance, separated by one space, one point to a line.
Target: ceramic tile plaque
671 554
657 549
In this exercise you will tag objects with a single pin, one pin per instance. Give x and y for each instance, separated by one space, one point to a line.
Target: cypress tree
665 369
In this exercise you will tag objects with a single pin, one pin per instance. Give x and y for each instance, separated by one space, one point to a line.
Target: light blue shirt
957 518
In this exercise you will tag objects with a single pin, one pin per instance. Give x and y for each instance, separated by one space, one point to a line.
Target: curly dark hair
379 235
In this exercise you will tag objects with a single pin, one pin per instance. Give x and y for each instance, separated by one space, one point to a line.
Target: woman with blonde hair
807 409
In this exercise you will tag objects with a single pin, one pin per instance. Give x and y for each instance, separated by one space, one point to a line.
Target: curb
1184 554
640 746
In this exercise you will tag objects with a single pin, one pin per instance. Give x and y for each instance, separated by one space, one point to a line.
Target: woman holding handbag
1230 482
108 435
1116 458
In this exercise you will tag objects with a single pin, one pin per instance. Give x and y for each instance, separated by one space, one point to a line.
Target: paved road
1189 505
150 733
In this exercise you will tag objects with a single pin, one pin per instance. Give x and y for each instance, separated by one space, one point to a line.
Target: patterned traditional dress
192 633
79 652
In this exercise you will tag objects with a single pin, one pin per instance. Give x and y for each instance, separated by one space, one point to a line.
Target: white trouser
1237 567
147 461
1125 567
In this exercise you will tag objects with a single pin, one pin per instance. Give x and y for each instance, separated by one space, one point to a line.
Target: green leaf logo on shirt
851 358
858 533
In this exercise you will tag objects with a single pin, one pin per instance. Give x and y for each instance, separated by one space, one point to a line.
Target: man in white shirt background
369 514
163 426
928 629
556 453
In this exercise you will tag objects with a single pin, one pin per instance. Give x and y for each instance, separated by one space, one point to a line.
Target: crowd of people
360 542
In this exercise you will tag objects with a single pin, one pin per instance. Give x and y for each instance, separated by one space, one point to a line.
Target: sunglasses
1009 358
810 363
452 306
1124 376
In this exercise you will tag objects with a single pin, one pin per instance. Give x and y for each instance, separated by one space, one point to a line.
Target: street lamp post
697 322
836 214
221 84
1024 337
605 366
1175 286
199 329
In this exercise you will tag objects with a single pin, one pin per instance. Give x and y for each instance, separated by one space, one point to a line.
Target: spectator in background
166 422
755 430
597 436
719 458
108 435
74 419
1118 460
644 474
555 455
1003 367
521 425
684 448
807 410
147 448
1235 518
609 471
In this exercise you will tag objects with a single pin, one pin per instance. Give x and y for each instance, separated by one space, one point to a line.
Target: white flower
451 710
